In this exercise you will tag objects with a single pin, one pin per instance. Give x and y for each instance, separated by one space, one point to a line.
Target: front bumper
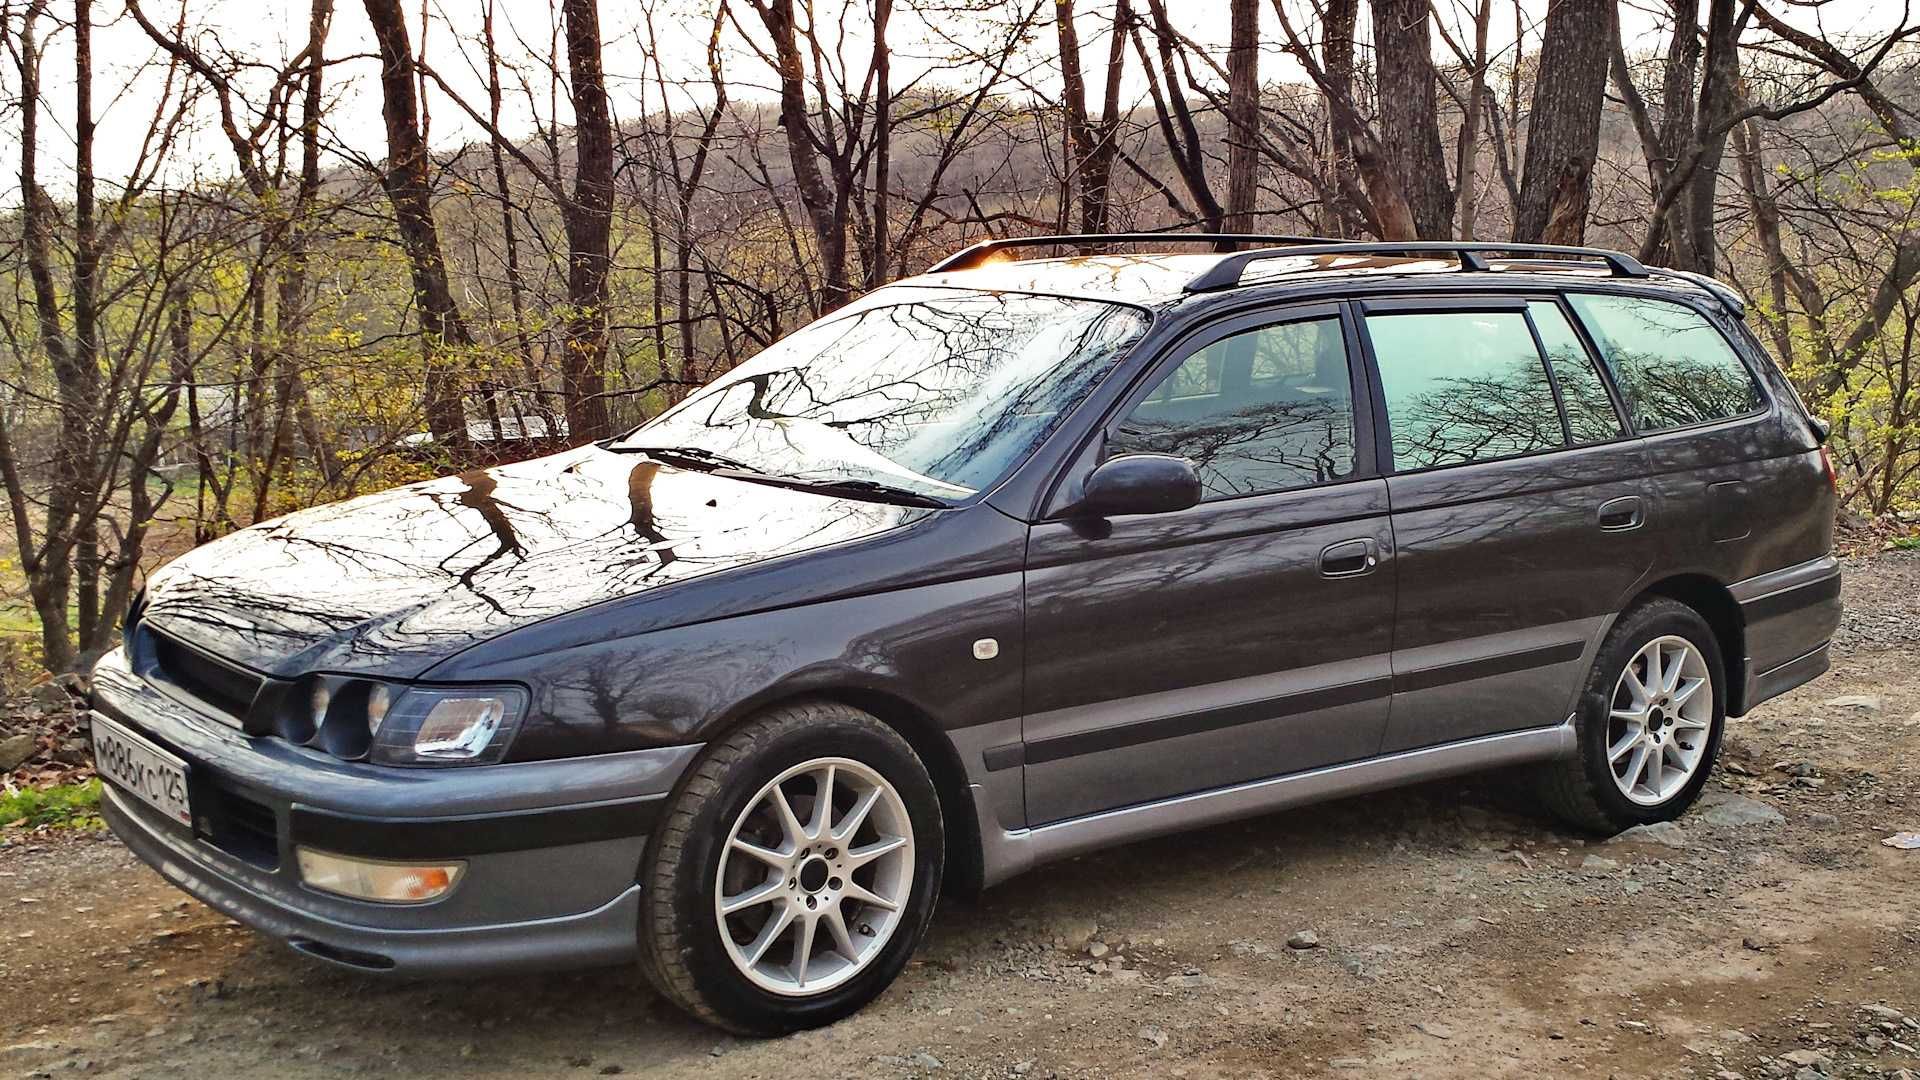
552 847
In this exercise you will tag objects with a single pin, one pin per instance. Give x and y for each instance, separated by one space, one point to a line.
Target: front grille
237 825
224 687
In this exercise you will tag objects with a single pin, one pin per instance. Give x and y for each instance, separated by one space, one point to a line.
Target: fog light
380 882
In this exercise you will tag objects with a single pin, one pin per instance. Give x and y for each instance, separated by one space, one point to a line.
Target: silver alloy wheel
814 876
1660 720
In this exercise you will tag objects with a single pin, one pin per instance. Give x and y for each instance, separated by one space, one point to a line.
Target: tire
702 959
1587 790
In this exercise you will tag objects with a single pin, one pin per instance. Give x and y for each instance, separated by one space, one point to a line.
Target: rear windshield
942 395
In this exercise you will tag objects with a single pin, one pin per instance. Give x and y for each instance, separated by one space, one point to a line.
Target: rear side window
1463 386
1261 411
1672 367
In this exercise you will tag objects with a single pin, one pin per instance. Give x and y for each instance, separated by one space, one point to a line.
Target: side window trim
1553 378
1367 464
1621 414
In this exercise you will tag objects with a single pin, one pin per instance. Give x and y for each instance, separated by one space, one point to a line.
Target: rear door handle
1622 514
1349 558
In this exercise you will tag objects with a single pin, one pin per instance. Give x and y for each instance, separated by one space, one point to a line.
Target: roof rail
969 257
1716 288
1225 274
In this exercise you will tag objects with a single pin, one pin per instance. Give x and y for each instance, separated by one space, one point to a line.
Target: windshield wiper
861 488
688 457
703 460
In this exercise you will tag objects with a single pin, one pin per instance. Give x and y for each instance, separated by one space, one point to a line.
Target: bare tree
409 185
1563 131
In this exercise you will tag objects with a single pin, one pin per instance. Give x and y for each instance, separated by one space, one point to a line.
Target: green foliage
74 806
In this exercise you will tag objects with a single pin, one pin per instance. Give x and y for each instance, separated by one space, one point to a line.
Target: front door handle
1622 514
1349 558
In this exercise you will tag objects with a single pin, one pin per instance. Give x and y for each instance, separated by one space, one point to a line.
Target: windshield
941 395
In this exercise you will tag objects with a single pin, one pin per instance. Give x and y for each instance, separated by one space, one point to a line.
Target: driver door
1245 637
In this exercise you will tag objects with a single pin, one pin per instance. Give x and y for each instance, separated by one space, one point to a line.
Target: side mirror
1139 484
1822 428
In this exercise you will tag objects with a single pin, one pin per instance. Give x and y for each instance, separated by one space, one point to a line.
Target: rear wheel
1649 723
795 871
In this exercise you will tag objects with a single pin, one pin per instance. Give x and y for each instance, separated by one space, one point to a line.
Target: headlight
437 725
393 724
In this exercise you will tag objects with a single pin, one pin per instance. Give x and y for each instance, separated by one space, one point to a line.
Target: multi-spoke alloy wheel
1646 729
794 871
813 877
1662 712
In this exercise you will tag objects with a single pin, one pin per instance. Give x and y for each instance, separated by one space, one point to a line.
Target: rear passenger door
1244 637
1521 510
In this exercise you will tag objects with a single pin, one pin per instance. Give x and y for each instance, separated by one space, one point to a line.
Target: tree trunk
409 188
1410 150
1337 52
816 196
589 221
1676 126
1467 184
1563 133
1719 97
1243 116
1089 151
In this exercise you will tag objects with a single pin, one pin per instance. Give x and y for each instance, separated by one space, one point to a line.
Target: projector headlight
441 725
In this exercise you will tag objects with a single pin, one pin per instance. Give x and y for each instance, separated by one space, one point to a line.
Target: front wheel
794 873
1649 723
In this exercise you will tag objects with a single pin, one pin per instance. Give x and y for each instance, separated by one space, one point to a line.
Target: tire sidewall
1629 636
718 981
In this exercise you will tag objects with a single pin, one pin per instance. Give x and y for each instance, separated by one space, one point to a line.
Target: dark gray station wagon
1000 564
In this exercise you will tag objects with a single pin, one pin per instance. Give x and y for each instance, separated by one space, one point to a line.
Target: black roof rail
968 257
1225 274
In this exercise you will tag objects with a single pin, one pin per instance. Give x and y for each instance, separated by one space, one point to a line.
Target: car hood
391 584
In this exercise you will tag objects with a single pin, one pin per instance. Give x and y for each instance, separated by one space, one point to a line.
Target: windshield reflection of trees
950 391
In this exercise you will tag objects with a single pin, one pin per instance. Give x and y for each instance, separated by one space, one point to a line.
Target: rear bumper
1789 616
552 848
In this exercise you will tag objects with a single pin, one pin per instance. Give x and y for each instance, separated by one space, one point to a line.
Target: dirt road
1442 931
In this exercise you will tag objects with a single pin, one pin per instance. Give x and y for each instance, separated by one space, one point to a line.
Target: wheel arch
965 871
1715 604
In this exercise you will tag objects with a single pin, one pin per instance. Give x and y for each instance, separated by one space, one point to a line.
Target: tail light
1826 462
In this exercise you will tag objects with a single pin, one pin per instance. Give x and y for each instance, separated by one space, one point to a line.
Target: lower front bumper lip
603 935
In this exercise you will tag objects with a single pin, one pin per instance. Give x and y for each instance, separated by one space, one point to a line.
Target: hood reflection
392 583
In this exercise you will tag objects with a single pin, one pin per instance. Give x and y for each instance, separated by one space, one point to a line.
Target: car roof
1162 280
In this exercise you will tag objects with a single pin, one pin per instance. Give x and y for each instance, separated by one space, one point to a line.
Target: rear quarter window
1673 367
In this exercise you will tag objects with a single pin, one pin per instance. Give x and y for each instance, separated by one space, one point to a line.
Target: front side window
943 395
1463 386
1261 411
1672 367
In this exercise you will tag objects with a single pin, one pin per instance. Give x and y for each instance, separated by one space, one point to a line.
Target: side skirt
1010 852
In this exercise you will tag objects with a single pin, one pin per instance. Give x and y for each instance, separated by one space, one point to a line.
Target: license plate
135 765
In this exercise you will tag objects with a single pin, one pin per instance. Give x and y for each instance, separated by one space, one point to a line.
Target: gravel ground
1882 594
1442 931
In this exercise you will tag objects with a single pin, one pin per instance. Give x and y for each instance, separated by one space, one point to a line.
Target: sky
128 79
